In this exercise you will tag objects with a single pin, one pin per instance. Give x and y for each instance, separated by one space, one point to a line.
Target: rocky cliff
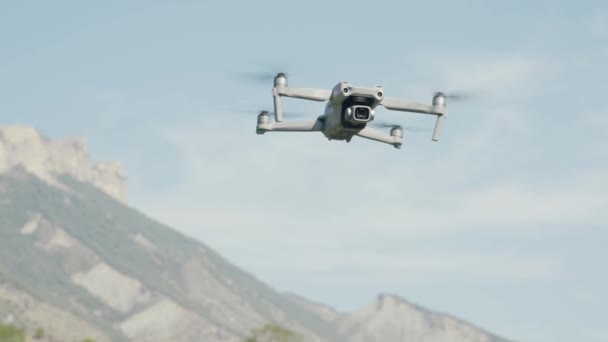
25 147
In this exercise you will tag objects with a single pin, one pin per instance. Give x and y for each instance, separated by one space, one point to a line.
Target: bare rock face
24 146
391 318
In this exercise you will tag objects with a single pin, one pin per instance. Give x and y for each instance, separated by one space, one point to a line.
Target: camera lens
362 113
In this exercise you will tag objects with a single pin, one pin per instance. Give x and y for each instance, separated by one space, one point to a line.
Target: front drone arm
438 108
264 125
395 138
298 93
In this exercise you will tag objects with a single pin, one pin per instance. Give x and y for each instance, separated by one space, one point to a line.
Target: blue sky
503 222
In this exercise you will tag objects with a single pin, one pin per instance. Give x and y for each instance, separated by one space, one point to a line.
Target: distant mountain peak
24 146
392 318
387 300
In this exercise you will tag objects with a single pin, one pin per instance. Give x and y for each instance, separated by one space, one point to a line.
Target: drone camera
362 113
359 114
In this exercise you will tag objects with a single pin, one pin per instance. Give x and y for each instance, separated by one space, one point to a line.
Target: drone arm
376 135
301 126
298 93
278 110
407 106
303 93
438 126
414 107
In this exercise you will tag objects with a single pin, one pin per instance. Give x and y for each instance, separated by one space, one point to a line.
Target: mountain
391 318
77 261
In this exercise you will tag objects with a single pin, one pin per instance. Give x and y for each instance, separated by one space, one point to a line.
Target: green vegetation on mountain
273 333
39 334
10 333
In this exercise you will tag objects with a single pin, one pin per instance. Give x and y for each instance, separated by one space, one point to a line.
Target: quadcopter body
348 112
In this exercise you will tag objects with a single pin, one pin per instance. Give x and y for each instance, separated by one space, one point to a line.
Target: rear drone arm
395 138
264 125
438 109
303 93
281 89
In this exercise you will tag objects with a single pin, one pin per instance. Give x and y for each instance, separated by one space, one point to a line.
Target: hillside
391 318
76 260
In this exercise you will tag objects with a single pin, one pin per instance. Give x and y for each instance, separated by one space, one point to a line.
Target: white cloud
506 205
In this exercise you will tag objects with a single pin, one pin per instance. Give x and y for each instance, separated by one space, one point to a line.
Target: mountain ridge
117 274
26 147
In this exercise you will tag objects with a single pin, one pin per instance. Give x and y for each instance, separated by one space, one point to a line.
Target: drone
349 112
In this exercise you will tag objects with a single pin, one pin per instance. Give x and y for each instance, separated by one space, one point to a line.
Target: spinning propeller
288 113
384 124
455 96
259 76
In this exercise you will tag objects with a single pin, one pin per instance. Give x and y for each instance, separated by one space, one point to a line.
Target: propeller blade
289 114
257 76
456 96
384 124
247 111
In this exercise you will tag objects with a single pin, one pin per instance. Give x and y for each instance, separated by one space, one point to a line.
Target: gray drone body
348 112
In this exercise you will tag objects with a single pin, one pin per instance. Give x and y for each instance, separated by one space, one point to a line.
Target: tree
273 333
9 333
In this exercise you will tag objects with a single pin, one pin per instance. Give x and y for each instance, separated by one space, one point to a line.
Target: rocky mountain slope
391 318
25 147
76 260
